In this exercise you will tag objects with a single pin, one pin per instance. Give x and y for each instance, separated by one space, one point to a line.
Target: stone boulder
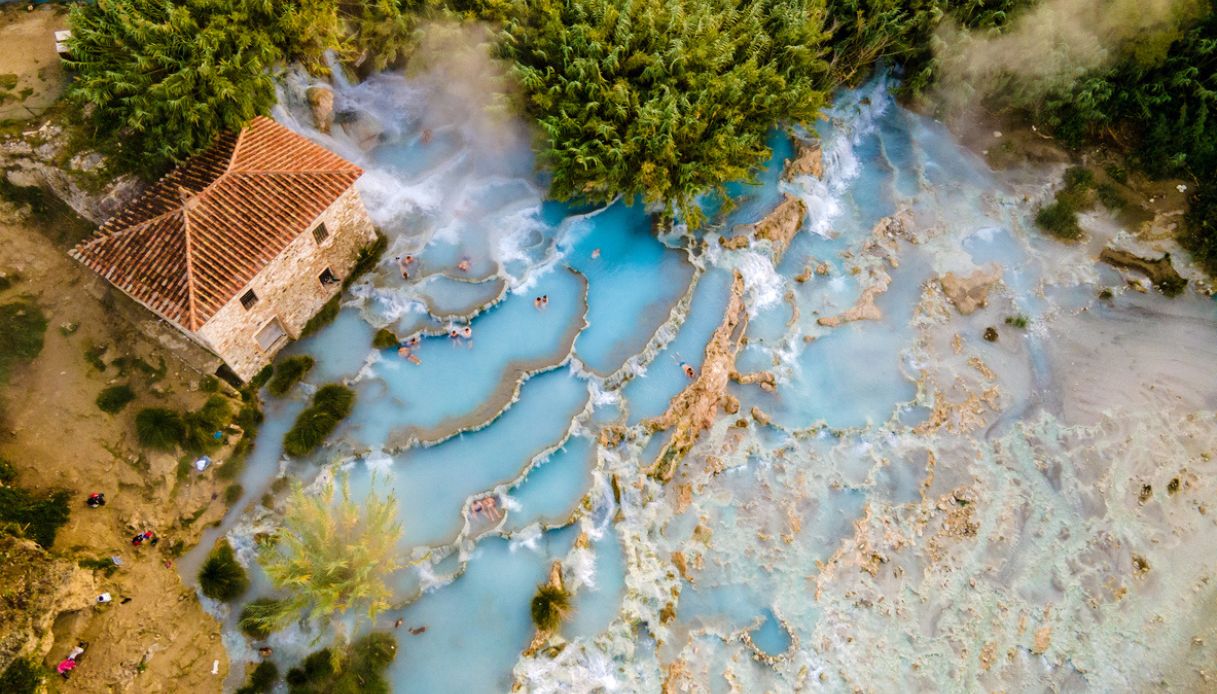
321 103
38 588
1160 271
360 126
781 225
970 292
808 160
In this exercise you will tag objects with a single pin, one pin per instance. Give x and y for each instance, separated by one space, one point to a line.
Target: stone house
241 245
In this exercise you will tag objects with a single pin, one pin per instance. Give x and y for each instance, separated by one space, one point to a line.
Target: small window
321 233
327 278
270 335
248 299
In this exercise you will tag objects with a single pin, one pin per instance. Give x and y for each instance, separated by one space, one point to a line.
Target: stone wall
289 288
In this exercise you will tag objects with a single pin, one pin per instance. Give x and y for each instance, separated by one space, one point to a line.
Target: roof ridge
191 311
232 158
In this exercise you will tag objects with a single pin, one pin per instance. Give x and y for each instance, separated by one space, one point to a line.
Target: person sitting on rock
96 500
65 667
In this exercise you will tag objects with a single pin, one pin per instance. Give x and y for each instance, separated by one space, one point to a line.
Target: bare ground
53 432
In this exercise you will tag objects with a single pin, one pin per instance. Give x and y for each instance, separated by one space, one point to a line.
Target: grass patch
159 428
331 404
1111 197
35 515
8 472
1019 321
360 668
262 679
209 384
221 576
106 565
549 607
93 356
202 426
323 317
22 327
232 493
22 676
288 373
113 399
384 339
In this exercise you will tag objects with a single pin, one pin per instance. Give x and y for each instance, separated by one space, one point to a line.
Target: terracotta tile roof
197 237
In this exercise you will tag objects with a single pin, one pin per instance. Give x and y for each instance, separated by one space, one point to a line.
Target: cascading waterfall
864 525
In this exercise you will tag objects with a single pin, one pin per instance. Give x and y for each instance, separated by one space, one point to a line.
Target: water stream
923 510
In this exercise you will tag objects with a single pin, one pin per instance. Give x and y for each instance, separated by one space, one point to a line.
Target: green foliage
201 426
359 670
331 404
22 326
159 428
549 607
114 398
232 493
161 80
209 384
261 378
1059 218
332 557
384 339
106 566
1200 229
324 316
35 515
258 616
262 679
663 100
8 472
366 259
22 676
221 576
1019 321
289 372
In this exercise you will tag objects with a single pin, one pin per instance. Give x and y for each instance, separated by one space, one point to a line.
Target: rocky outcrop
781 225
970 292
864 308
360 126
808 160
1161 271
35 589
37 160
321 103
695 408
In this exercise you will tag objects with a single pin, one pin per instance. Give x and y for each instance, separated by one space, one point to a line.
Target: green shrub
366 259
323 317
159 428
549 607
209 384
221 576
113 399
22 676
232 493
202 425
261 378
257 616
1111 197
1200 228
1077 177
288 373
331 404
107 565
359 669
384 339
262 679
1019 321
1059 219
22 327
8 473
36 515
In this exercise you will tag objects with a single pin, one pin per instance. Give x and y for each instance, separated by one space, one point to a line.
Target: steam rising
1052 44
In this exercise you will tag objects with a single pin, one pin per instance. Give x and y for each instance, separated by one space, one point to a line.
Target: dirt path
31 76
55 435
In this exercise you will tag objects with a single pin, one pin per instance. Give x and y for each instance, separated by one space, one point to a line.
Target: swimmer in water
467 332
595 253
426 138
536 303
413 342
689 370
408 354
545 300
464 265
453 334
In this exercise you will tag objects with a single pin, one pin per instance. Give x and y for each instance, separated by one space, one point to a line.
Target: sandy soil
53 432
29 56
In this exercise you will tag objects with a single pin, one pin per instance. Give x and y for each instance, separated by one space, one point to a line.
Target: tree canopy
330 556
663 100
